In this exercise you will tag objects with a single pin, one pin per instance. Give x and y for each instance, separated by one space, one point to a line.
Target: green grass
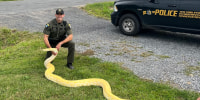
22 74
7 0
190 69
147 54
162 56
102 10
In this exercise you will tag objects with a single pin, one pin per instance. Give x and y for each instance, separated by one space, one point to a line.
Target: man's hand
53 53
58 46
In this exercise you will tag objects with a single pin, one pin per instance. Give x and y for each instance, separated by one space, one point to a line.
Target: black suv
175 15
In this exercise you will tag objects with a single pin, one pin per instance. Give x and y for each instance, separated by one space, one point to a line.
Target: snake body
76 83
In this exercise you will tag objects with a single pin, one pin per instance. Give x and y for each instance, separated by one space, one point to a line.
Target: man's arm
46 41
69 38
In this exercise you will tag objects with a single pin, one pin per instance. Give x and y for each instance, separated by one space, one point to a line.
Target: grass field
22 74
102 10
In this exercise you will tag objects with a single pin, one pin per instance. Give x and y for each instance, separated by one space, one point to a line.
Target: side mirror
154 1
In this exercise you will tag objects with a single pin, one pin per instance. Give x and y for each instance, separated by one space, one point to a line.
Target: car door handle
172 5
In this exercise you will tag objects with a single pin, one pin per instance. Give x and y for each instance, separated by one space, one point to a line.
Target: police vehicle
174 15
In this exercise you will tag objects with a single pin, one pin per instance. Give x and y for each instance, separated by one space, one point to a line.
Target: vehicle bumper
114 18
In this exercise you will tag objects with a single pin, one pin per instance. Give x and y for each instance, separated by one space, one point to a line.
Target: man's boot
69 65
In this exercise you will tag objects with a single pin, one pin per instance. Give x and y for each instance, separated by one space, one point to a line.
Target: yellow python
76 83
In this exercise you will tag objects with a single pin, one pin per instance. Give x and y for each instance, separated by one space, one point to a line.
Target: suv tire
129 24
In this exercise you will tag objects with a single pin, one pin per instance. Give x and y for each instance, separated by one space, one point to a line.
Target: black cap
59 11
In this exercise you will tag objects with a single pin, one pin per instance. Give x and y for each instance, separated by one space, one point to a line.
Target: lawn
101 10
22 74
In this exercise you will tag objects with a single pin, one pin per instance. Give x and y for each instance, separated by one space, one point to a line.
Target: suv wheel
129 24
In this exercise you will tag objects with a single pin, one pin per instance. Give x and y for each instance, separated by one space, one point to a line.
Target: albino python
76 83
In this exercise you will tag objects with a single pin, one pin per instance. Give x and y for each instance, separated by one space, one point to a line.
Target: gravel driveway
155 55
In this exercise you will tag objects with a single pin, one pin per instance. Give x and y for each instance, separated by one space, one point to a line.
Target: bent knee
72 43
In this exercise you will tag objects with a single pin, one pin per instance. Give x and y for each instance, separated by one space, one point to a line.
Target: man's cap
59 11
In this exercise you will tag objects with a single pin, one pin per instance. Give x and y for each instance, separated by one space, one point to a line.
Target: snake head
51 49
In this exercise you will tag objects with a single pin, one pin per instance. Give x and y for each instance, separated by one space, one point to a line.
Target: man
58 33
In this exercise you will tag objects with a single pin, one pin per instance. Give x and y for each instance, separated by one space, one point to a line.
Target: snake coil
76 83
